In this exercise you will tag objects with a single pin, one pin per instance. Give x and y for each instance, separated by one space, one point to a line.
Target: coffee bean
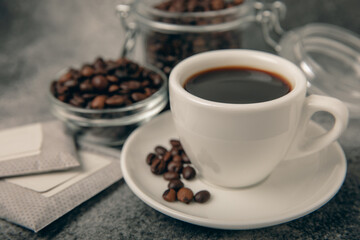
115 101
156 79
112 79
65 77
158 166
174 166
99 82
217 4
175 184
185 195
188 172
87 71
171 175
99 63
138 96
175 143
77 101
167 70
177 158
185 158
131 85
86 86
98 102
122 62
61 89
167 157
111 67
149 158
160 150
113 88
169 195
62 98
71 83
121 74
88 96
202 196
132 67
148 92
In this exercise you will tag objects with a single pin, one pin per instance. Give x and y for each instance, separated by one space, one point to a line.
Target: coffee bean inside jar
165 50
106 84
172 30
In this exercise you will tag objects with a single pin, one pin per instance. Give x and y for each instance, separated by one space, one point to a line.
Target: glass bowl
109 127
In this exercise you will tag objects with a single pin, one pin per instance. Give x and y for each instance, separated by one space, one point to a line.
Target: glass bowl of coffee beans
103 102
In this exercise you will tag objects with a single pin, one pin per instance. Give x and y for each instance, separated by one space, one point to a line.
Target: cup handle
302 145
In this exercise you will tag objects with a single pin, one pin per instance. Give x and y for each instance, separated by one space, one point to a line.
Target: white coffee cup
238 145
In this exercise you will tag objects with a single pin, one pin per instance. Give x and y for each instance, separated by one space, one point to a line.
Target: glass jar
326 54
108 127
163 38
329 57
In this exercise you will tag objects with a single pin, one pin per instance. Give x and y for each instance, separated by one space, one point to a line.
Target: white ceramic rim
184 70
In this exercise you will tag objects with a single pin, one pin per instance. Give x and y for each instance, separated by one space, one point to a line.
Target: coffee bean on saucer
150 157
158 166
188 172
170 164
171 175
175 143
169 195
177 158
202 196
175 184
185 195
160 150
175 151
185 158
174 166
167 157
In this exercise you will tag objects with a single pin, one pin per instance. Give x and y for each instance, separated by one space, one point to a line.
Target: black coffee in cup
235 84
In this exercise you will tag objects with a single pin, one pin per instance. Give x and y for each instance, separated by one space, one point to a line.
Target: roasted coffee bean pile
196 5
165 50
173 165
106 84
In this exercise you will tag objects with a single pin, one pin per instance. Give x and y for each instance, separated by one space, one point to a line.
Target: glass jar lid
329 56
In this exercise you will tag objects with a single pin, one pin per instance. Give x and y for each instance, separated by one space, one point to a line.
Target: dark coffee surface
237 85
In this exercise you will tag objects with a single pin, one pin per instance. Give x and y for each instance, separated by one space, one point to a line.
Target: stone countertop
39 38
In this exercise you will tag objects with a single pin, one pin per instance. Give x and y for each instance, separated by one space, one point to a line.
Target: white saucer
294 189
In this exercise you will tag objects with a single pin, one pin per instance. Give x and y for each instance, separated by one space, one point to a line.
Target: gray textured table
38 38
